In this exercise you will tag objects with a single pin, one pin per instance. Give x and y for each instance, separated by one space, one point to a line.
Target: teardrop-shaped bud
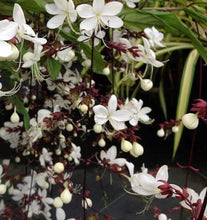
66 196
146 84
57 202
190 120
126 146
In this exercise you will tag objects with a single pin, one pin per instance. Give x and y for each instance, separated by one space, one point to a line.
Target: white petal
117 125
111 153
121 115
112 8
145 110
98 5
120 161
100 111
60 214
100 121
71 5
162 173
134 121
88 23
8 29
203 193
52 9
42 113
112 104
61 4
18 14
112 21
28 30
85 11
56 21
5 49
73 15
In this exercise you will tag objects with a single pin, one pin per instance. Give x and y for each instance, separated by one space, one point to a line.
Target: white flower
115 117
139 112
100 14
190 120
66 55
146 55
145 184
131 3
8 30
30 58
61 10
33 208
45 157
24 30
193 197
110 157
75 154
154 37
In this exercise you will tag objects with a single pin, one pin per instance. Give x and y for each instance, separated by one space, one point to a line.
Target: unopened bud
161 132
101 143
58 167
66 196
2 189
175 129
97 128
137 149
106 71
69 127
9 106
14 117
190 120
86 203
57 202
83 108
146 84
126 146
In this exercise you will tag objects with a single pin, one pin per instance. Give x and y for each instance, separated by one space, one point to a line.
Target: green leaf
162 99
196 15
21 109
165 20
53 67
99 62
184 93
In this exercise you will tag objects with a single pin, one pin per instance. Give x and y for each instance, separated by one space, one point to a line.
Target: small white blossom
75 154
115 117
61 9
45 157
100 14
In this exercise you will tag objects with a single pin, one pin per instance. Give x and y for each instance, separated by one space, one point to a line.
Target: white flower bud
161 132
66 196
86 63
2 189
101 143
190 120
61 138
146 84
83 108
69 127
106 71
34 97
137 149
126 146
97 128
87 203
27 56
17 159
9 106
58 151
11 190
6 162
15 53
14 117
175 129
57 202
58 167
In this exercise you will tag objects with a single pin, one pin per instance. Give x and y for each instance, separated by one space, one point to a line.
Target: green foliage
184 93
53 67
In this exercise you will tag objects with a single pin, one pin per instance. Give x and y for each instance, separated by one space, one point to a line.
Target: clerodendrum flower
100 14
61 9
145 184
110 157
131 3
115 117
